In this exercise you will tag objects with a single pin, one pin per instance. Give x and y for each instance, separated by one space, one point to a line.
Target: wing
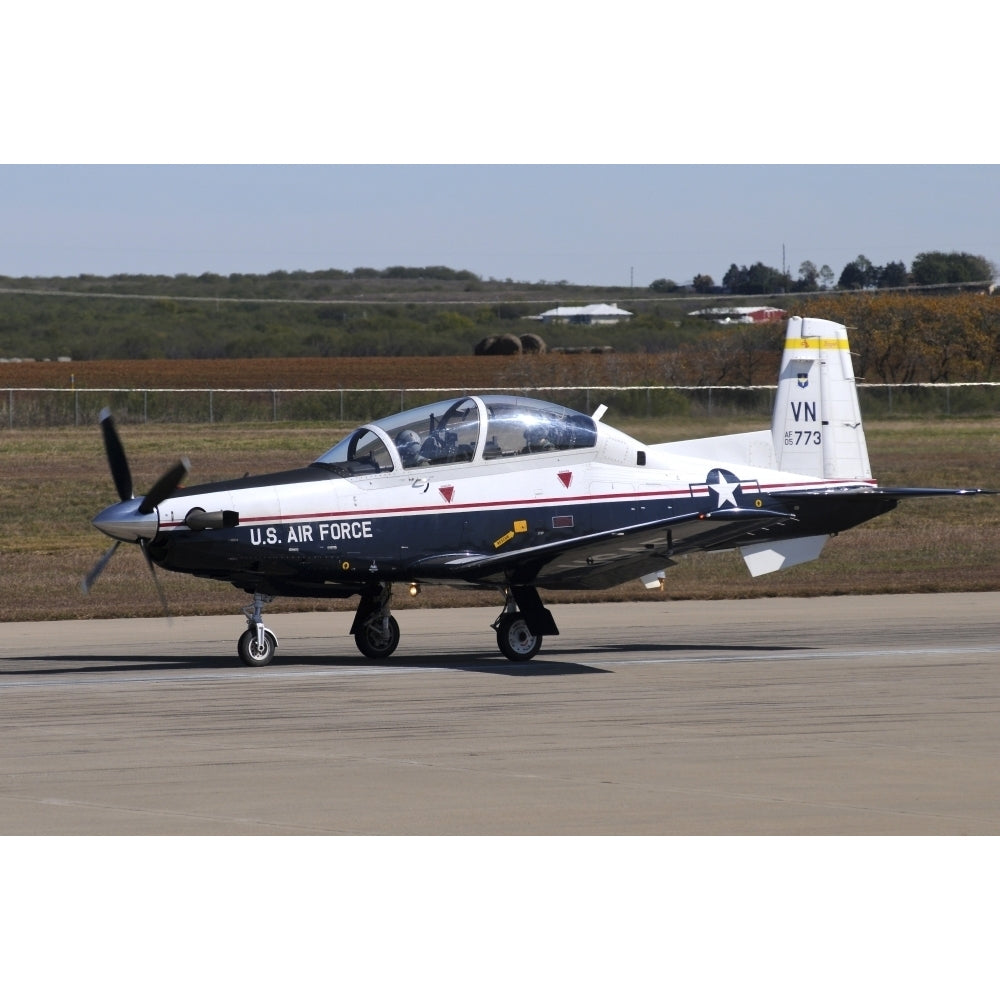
605 559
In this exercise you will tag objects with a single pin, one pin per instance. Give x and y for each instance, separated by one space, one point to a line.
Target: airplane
518 495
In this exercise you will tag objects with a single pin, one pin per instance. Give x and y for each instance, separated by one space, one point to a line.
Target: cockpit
468 429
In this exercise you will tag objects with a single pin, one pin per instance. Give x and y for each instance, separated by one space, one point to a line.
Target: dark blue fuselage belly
343 555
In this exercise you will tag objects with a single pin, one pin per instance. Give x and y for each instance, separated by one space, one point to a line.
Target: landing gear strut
257 644
375 631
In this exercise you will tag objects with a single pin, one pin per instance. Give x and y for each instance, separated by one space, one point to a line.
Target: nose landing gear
257 644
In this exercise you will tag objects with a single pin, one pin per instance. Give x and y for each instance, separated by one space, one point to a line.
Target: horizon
583 225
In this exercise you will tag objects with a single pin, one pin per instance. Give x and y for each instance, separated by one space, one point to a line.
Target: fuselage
492 475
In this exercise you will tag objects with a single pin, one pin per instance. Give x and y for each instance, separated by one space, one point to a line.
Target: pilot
408 446
537 439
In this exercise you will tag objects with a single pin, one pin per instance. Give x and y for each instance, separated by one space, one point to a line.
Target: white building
600 313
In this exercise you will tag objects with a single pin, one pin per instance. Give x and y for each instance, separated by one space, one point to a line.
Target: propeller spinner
132 519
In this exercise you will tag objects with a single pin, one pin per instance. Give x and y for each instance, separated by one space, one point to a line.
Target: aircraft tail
816 426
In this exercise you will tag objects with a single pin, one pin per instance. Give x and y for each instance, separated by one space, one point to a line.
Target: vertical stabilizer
816 426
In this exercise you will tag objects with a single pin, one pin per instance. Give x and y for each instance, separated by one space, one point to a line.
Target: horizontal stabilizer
888 492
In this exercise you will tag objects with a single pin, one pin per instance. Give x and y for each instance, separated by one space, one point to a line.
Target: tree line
930 268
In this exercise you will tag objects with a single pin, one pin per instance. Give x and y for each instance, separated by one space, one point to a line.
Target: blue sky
165 141
601 224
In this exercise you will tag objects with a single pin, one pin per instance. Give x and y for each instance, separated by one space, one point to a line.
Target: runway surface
848 715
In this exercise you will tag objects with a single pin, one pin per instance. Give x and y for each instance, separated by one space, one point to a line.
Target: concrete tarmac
846 715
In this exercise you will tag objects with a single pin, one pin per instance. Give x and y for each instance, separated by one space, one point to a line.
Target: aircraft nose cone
124 522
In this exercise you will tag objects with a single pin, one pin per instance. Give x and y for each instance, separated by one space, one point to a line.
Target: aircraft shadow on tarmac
486 663
79 664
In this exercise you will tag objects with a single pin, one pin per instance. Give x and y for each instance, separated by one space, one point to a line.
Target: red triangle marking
565 478
447 492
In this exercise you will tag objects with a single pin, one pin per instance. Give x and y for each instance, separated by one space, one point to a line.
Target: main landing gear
522 623
519 626
375 631
513 638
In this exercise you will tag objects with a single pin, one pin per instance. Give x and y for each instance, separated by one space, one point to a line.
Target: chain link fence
36 408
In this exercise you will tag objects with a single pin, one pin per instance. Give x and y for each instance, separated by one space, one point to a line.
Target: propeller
128 521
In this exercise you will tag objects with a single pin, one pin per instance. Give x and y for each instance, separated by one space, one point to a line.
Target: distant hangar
598 314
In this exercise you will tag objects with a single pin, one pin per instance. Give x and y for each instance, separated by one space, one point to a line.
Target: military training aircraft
517 495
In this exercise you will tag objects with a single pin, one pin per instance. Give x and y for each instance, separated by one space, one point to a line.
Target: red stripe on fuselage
557 501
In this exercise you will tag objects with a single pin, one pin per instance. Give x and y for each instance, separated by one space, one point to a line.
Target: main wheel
253 653
514 639
376 643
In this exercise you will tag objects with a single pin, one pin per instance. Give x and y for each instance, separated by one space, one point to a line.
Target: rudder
816 426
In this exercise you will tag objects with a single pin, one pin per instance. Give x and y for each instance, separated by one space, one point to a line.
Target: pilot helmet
537 436
408 444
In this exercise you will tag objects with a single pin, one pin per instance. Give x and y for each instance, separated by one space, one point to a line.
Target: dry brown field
331 373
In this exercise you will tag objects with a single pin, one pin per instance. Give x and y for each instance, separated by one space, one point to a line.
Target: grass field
54 481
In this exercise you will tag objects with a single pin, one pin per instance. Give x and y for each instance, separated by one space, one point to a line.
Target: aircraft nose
124 522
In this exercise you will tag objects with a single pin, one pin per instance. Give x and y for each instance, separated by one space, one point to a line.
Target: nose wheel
257 651
257 644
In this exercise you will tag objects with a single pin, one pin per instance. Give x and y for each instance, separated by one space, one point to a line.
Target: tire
376 644
254 655
514 639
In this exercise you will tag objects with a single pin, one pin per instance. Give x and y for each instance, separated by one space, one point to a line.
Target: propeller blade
91 578
164 486
156 579
120 472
